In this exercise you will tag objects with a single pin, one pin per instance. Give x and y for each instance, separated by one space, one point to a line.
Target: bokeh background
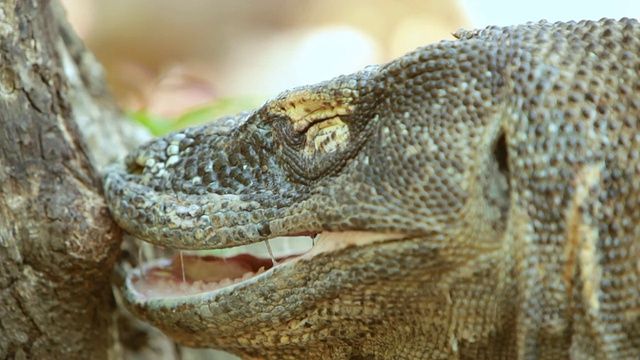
167 57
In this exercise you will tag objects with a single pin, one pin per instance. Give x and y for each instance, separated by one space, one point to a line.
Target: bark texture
58 243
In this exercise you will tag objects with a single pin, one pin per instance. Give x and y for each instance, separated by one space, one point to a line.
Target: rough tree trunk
58 243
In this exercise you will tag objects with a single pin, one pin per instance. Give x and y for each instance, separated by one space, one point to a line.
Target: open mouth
191 273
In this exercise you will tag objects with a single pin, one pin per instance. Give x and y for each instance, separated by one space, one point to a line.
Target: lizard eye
316 132
320 124
312 145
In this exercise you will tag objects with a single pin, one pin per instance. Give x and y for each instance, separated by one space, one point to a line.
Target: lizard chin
193 273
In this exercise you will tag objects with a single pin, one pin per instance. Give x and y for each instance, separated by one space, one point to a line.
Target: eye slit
319 114
309 125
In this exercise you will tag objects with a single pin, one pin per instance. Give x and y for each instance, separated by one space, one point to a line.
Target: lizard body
476 198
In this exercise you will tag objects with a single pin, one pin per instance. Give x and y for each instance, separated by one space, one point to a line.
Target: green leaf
159 125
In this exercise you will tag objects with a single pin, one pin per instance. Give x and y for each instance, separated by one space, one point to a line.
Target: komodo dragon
475 198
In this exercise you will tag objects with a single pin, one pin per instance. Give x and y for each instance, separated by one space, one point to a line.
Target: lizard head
367 164
247 177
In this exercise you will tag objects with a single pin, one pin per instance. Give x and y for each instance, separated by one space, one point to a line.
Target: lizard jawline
167 278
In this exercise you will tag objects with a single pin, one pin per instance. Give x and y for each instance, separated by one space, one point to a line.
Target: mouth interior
189 273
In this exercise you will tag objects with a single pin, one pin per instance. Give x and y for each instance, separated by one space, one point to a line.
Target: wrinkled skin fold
475 198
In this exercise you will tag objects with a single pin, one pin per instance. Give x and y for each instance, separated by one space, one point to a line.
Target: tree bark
58 244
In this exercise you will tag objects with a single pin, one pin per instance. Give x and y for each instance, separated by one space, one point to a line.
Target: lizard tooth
225 282
195 285
248 275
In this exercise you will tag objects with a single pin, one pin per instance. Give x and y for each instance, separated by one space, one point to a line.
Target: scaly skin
494 180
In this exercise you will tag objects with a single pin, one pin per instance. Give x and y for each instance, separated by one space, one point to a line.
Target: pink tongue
210 268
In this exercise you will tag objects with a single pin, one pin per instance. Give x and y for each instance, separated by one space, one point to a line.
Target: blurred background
165 58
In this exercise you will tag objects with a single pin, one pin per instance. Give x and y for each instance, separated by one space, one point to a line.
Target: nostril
135 168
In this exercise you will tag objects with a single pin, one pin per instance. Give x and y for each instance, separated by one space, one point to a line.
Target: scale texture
504 167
